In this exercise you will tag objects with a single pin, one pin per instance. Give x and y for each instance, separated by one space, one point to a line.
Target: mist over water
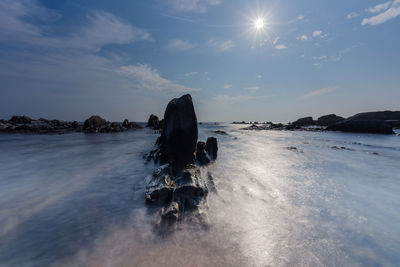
282 199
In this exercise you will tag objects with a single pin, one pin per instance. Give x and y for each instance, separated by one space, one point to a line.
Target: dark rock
159 188
190 188
377 115
356 126
131 125
20 119
153 122
201 154
179 135
170 215
94 124
307 121
212 147
329 120
125 123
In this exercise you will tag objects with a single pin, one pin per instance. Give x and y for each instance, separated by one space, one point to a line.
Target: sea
281 198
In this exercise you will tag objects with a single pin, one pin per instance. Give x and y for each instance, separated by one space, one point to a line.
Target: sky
240 60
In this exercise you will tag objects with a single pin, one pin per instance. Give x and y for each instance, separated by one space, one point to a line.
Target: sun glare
259 24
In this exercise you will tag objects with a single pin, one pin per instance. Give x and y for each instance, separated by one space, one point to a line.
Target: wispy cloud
302 37
352 15
101 28
387 11
143 76
198 6
181 45
280 47
318 92
227 86
259 76
253 88
222 46
193 73
275 41
316 33
300 17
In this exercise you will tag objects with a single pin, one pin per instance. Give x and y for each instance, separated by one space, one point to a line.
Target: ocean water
281 199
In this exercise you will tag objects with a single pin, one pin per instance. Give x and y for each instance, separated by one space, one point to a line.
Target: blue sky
127 59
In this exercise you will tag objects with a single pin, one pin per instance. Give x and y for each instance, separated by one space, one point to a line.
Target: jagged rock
160 186
179 135
212 147
356 126
125 123
329 120
154 122
377 115
94 124
20 119
307 121
201 154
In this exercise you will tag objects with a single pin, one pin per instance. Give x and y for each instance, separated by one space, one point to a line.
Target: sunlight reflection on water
78 200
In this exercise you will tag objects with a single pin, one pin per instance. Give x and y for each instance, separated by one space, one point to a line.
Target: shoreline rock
178 186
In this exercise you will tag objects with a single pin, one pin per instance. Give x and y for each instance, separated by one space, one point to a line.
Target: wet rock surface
178 186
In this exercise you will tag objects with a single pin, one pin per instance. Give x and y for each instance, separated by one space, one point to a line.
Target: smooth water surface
282 199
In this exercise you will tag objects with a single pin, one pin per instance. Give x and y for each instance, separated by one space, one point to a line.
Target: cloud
388 11
352 15
300 17
227 86
143 76
222 46
182 45
318 92
280 46
259 76
320 58
191 74
379 8
253 88
275 41
198 6
316 33
302 37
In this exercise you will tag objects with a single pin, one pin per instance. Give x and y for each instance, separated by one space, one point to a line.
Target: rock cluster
178 186
95 124
154 122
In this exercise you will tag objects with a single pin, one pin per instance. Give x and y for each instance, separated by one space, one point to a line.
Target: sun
259 24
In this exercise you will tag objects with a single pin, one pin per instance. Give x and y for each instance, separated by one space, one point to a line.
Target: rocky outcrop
362 126
179 135
20 119
95 124
329 120
154 122
178 186
377 115
306 121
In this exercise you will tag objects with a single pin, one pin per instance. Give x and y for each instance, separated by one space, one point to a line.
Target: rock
201 154
153 122
357 126
125 123
377 115
94 124
190 188
131 125
329 120
170 215
307 121
179 135
20 119
159 188
212 147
